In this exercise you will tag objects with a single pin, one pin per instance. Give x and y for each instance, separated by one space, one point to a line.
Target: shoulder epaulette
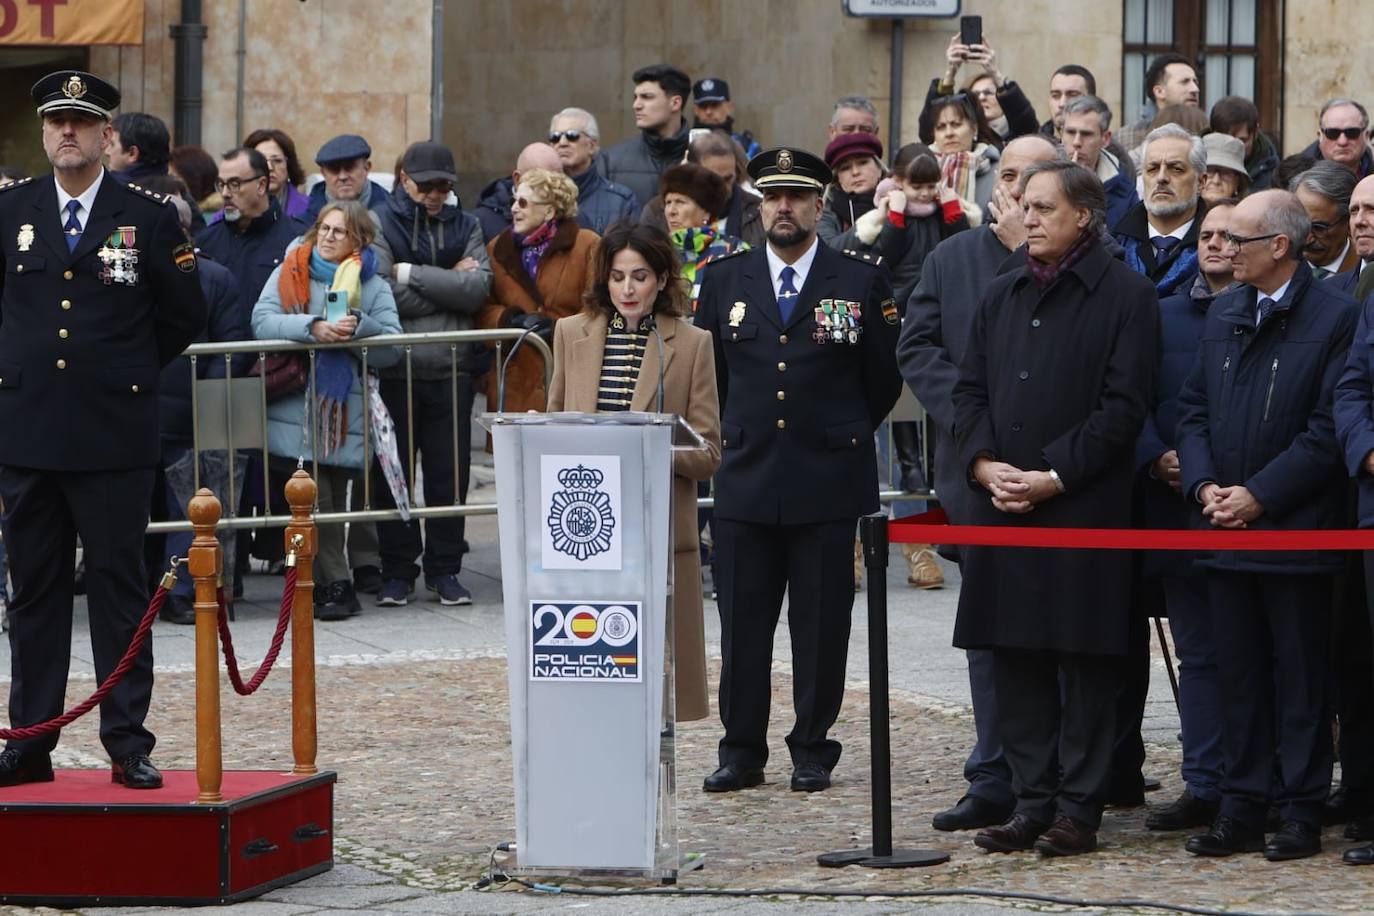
871 259
145 192
727 256
16 183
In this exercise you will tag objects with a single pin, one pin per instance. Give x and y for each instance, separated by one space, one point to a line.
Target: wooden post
204 560
301 540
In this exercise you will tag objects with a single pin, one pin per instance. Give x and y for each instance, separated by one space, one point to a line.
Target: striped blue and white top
624 355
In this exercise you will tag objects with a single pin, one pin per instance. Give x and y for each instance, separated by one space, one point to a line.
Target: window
1235 42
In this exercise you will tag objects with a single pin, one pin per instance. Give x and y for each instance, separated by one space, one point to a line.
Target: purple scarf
1044 274
533 246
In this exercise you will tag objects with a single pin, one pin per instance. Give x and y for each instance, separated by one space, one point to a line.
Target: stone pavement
413 717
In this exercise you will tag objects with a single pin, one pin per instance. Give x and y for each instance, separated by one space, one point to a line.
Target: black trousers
1128 748
1273 635
814 565
400 543
46 512
1354 663
1055 716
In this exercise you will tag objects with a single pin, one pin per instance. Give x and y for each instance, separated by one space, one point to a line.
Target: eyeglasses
430 187
1350 133
523 202
1321 225
326 231
1236 241
572 136
235 185
984 93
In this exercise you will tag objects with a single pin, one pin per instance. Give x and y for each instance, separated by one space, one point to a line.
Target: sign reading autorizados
893 9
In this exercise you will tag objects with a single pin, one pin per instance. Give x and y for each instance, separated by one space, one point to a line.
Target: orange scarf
293 286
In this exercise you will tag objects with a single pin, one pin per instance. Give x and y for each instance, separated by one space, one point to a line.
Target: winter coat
1120 188
689 390
430 295
1354 411
1056 380
935 329
1366 159
493 207
743 221
288 432
1257 410
638 162
565 274
1181 320
1178 270
1016 108
319 196
227 321
601 202
841 211
904 248
1262 162
251 255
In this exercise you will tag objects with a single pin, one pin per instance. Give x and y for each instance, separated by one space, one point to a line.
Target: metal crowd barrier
214 426
245 398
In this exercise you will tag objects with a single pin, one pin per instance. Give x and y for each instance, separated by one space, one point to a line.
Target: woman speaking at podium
607 358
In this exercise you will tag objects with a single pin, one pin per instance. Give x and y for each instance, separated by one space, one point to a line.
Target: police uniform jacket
798 415
81 345
1060 379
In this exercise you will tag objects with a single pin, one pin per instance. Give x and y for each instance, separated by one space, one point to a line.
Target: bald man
493 207
1362 235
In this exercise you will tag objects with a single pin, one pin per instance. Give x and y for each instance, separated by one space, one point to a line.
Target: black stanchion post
873 536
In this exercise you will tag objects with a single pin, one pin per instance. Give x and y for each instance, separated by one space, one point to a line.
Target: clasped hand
1229 507
1013 490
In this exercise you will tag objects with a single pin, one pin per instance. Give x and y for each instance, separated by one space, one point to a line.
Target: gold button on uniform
782 367
782 424
135 389
19 268
782 395
62 332
66 303
61 364
782 338
853 441
67 275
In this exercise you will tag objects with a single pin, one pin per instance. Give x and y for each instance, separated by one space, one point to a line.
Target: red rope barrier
933 528
227 639
130 654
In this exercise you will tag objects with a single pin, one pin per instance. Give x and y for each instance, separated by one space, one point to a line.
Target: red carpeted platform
82 840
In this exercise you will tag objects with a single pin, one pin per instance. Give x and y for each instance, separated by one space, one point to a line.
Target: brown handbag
286 374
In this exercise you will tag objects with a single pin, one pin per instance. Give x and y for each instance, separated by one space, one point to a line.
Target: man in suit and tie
805 347
1159 234
98 291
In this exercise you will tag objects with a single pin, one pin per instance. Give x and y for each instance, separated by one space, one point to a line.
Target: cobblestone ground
424 792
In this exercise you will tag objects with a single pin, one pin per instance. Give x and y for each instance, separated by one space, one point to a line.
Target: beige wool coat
689 390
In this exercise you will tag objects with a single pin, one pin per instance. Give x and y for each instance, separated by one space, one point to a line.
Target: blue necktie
787 294
1163 245
1266 308
73 225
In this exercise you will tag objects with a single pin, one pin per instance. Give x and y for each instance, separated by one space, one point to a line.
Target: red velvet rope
933 528
227 639
130 654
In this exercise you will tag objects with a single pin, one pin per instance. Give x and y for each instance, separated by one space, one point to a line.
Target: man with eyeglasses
575 136
440 279
254 234
1343 136
345 162
1324 191
1258 451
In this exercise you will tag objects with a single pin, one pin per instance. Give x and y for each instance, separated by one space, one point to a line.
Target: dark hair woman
967 147
605 361
285 175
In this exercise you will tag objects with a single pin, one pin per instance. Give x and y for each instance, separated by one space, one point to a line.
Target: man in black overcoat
98 291
806 365
1056 381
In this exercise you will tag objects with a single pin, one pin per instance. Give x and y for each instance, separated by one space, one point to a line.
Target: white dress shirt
802 266
86 199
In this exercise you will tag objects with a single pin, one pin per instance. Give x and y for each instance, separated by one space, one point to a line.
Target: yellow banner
71 22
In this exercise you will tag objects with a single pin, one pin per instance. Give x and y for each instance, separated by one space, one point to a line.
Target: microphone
652 325
505 364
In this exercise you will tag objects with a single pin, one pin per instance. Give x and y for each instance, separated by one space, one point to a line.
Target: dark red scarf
1044 274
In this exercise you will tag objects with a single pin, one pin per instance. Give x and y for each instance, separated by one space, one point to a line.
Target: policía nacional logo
580 519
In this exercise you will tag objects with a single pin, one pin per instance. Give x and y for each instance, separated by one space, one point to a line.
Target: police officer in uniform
805 347
98 291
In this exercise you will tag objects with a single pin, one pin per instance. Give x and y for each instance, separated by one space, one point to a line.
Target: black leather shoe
178 609
1067 837
336 601
1362 830
136 771
17 767
1186 811
810 777
971 813
730 778
1018 833
1295 840
1226 838
1359 855
1343 806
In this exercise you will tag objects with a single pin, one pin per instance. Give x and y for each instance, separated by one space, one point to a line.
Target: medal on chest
838 321
119 257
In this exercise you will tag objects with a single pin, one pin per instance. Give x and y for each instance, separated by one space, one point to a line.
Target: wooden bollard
203 560
301 542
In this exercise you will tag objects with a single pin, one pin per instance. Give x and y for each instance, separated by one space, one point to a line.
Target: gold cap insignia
74 87
785 161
